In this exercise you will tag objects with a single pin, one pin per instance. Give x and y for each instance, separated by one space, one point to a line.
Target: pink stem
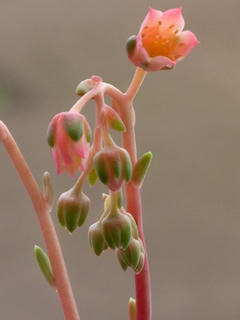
134 206
54 251
133 197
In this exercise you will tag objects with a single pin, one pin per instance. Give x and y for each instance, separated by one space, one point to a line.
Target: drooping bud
113 119
44 264
117 229
96 238
132 309
140 169
69 136
113 165
72 209
48 189
86 85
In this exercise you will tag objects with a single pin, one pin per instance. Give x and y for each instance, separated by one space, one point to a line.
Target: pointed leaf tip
141 168
44 264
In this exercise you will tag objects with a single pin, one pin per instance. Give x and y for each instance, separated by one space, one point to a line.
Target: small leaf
44 264
141 168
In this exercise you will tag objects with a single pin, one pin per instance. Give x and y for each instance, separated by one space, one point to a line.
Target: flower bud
116 230
132 309
131 255
133 225
96 238
113 119
113 165
72 209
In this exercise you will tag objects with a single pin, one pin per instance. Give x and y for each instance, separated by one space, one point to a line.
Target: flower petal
186 42
172 20
161 63
151 18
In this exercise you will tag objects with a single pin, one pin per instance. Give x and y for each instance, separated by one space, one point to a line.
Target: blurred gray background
189 118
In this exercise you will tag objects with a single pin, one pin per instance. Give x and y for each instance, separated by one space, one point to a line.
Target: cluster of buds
117 230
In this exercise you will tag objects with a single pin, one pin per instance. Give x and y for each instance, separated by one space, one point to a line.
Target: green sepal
121 261
50 135
83 214
88 132
131 44
92 176
74 128
44 264
72 216
116 167
140 265
60 216
127 167
100 166
117 125
140 169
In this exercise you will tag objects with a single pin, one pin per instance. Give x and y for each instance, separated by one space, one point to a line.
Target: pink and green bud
44 264
69 137
140 169
112 119
161 41
96 238
86 85
113 165
72 209
116 230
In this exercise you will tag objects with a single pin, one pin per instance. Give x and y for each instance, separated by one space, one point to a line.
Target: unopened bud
72 209
131 255
96 238
84 86
140 169
132 309
117 230
113 119
113 165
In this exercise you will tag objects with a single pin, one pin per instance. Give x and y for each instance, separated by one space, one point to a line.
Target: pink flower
69 137
161 41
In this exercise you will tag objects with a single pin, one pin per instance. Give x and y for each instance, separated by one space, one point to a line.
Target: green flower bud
96 238
141 168
131 255
72 209
117 230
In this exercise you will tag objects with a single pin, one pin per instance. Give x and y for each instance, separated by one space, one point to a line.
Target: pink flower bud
113 165
161 41
69 137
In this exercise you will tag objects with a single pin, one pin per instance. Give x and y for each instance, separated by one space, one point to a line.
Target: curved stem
135 83
61 280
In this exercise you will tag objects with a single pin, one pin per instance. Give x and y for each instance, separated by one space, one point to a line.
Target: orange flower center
159 41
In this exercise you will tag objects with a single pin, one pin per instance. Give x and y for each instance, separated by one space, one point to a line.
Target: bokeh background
189 118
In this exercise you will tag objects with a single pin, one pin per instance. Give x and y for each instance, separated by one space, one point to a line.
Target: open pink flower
161 41
69 137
